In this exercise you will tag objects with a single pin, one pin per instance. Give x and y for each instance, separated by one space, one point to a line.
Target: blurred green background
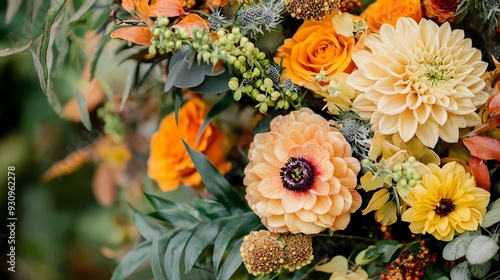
60 230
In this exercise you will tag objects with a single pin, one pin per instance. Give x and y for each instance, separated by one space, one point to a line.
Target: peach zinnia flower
446 202
301 177
169 163
420 80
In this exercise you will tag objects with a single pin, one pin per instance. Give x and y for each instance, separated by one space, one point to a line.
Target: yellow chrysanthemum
302 177
420 80
446 202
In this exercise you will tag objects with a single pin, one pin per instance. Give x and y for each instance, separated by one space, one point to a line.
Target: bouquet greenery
286 139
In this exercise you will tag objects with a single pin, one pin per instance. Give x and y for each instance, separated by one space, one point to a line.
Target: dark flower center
445 207
297 175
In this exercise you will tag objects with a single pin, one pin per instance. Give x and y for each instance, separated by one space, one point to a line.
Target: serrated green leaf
232 263
481 249
82 107
491 217
14 51
213 84
173 254
203 235
216 184
12 8
219 107
480 270
460 272
132 261
45 53
81 11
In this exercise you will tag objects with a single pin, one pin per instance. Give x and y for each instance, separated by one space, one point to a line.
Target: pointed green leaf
216 184
180 216
95 58
13 51
387 251
220 106
129 83
159 203
232 263
146 226
173 254
82 106
208 207
81 11
48 29
12 8
158 246
132 261
178 100
203 235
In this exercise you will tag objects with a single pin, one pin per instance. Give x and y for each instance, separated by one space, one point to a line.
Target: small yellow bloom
446 202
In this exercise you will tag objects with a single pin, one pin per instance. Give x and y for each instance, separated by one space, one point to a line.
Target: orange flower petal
136 34
166 8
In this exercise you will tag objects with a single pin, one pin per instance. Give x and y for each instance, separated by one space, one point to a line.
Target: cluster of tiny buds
405 174
410 266
165 39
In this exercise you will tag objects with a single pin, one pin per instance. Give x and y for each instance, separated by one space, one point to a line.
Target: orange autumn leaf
166 8
483 147
480 172
136 34
69 164
493 104
129 5
193 21
103 186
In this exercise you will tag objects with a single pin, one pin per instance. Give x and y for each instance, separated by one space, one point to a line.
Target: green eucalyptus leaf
481 249
129 84
213 84
188 77
455 249
82 107
173 254
480 270
491 217
220 106
460 272
132 261
215 182
95 58
232 262
203 236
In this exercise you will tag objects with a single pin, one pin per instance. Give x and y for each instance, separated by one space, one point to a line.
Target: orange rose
315 46
443 10
169 163
389 11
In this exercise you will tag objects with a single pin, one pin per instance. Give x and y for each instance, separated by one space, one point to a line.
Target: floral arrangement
311 139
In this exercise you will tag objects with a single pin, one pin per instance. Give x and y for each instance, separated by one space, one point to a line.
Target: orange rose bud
315 46
442 10
389 11
169 163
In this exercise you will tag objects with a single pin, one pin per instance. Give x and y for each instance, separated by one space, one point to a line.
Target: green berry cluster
405 174
236 51
166 39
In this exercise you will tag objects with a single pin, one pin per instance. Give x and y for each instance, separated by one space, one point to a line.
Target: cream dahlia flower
302 177
420 80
